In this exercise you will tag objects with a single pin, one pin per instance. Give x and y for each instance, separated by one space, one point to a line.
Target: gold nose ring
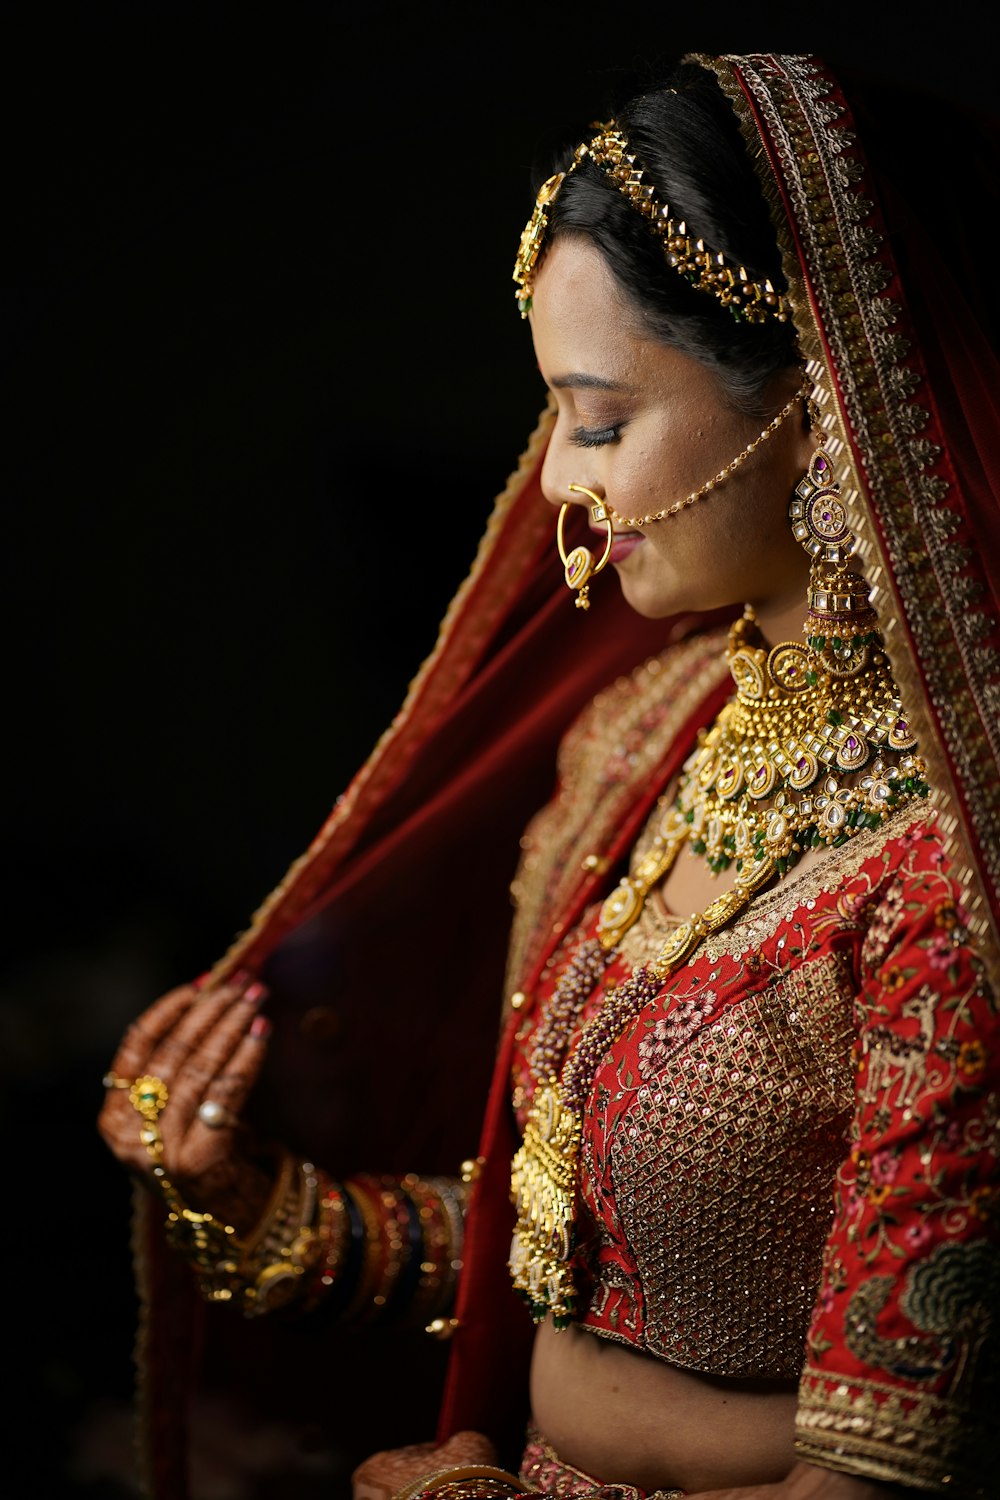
579 565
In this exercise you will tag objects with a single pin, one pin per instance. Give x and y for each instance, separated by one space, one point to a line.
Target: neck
781 619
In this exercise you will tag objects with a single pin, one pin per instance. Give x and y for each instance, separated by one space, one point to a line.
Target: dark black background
263 376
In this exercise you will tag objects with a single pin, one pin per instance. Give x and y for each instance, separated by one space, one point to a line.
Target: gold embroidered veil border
867 378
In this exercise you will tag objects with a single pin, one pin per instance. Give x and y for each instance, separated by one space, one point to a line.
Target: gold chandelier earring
580 565
841 627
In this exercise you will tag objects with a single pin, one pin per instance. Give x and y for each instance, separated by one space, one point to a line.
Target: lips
623 544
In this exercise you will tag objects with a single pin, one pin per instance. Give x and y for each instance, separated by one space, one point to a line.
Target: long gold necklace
813 748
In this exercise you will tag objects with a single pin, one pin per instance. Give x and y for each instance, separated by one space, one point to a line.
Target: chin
654 603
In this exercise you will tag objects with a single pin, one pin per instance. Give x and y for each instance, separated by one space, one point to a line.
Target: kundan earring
579 565
841 627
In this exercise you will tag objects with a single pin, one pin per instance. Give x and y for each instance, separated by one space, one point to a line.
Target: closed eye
595 437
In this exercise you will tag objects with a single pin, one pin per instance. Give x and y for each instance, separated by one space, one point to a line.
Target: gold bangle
274 1277
437 1479
440 1206
396 1229
333 1227
275 1202
362 1303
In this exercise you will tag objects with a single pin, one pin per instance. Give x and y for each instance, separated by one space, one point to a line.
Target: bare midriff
624 1416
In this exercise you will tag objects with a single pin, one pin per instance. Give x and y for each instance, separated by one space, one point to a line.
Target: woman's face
644 425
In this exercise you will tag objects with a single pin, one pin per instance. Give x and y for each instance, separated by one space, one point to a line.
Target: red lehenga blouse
790 1154
836 1047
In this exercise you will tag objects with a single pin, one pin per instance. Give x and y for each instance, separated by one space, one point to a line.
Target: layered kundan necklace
813 747
798 757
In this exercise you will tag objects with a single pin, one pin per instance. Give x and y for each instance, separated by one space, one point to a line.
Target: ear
805 438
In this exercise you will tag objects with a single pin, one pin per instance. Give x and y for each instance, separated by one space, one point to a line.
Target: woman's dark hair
686 135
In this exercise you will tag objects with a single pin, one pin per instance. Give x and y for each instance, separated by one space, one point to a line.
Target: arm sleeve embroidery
901 1373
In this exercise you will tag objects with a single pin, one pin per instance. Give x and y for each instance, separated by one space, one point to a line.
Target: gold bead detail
442 1328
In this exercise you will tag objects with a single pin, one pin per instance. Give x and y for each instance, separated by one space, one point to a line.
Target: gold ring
148 1095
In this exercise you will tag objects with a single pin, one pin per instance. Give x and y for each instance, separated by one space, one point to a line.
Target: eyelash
596 437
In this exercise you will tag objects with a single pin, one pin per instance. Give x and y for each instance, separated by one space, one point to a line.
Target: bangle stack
412 1231
377 1264
439 1204
269 1268
336 1239
370 1247
262 1271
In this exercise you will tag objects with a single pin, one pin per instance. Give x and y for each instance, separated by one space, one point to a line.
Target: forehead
577 301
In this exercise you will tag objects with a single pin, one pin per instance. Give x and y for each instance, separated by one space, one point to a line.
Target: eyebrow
581 382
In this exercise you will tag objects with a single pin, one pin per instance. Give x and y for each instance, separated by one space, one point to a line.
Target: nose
565 483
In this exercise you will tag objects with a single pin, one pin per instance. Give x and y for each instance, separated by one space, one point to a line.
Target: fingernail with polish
242 976
260 1027
201 981
257 993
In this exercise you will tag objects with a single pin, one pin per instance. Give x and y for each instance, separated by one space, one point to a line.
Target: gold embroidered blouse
789 1155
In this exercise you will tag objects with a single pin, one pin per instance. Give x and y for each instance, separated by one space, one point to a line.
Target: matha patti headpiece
706 269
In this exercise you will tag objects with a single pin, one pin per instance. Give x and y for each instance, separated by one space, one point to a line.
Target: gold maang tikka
747 298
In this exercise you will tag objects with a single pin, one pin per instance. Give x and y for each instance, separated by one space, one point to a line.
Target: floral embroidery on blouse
903 1338
670 1032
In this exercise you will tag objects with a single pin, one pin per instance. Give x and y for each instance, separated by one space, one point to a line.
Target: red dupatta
384 949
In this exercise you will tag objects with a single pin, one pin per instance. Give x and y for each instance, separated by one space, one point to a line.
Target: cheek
639 480
763 507
686 541
661 470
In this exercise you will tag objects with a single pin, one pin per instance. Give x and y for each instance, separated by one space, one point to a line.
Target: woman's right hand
207 1047
384 1473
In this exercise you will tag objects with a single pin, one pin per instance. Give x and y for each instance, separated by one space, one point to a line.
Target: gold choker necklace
797 758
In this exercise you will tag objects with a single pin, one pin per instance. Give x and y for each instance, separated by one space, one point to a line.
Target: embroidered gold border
771 908
897 470
870 1427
